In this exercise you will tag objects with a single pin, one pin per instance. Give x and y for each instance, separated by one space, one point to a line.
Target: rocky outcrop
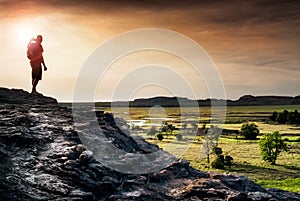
18 96
42 158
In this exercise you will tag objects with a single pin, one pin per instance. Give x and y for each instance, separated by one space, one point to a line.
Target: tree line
286 117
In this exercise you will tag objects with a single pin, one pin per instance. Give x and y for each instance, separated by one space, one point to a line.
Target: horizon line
178 97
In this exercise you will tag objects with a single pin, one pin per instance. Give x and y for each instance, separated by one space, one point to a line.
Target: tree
297 117
291 118
270 146
170 128
274 116
294 117
210 141
208 145
167 128
249 131
283 117
286 117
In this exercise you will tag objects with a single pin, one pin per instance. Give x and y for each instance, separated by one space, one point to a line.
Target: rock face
42 158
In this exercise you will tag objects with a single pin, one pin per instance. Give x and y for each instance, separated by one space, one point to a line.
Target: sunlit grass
247 159
290 184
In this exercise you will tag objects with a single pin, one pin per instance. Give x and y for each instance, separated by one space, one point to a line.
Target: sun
23 32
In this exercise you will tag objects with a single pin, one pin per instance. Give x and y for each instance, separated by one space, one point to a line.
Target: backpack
33 49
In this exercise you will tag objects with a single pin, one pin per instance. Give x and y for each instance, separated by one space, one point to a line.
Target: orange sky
254 44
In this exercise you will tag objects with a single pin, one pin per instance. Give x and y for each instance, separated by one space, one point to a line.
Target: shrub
159 136
179 137
283 118
250 131
218 151
274 115
228 161
218 163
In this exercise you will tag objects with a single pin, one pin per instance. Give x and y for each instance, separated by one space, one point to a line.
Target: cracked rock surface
42 158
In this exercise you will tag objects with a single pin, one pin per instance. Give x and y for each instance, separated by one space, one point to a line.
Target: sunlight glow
25 30
24 33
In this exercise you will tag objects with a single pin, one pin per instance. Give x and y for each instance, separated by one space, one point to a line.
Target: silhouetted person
35 54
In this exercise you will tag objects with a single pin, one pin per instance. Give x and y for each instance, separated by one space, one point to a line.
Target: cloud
258 38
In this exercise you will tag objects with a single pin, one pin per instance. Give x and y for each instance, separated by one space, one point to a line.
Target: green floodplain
246 155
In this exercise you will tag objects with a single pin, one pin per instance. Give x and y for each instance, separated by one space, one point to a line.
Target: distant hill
247 100
265 100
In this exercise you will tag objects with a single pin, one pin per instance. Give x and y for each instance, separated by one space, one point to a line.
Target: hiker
35 54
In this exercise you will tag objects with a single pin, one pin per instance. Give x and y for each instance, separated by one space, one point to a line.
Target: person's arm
43 62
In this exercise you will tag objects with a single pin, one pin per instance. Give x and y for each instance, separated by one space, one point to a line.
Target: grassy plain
247 159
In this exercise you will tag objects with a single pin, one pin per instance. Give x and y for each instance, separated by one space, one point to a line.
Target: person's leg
36 77
34 84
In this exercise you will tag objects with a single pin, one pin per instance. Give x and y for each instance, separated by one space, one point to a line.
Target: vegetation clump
218 163
159 136
286 117
228 161
250 131
167 129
